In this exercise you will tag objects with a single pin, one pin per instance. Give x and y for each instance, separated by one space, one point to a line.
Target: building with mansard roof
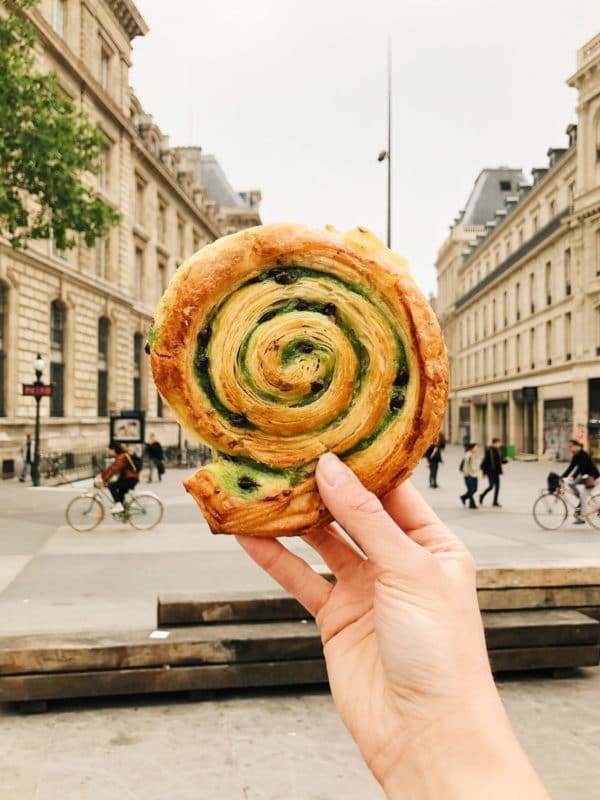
518 293
87 311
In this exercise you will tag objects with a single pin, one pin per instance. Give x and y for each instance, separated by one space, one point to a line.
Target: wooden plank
538 628
16 688
278 605
538 577
217 607
548 597
253 642
516 660
205 644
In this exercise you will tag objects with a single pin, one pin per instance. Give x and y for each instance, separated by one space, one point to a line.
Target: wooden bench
256 640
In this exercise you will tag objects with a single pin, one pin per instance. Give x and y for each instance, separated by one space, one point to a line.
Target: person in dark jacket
491 466
154 452
433 454
580 469
123 467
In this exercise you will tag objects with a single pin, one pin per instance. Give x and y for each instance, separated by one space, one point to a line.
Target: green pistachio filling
245 478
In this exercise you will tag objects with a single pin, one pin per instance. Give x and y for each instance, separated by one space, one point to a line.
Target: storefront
594 417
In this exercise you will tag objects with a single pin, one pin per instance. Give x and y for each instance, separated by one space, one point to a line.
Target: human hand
404 643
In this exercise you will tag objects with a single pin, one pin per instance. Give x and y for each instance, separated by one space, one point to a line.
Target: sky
291 97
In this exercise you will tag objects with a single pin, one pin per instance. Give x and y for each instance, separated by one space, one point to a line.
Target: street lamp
38 365
386 155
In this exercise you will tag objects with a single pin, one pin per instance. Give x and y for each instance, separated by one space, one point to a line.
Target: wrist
472 752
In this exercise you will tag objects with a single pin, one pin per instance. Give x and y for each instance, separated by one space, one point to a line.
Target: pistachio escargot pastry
279 343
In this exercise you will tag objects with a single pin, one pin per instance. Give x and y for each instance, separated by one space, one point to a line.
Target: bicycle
551 508
142 511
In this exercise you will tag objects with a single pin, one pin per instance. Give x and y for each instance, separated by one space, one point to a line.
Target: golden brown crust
206 281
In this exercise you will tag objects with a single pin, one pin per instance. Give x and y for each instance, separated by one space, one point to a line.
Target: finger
414 515
289 570
336 552
362 516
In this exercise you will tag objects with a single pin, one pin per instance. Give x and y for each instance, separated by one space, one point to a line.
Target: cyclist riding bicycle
581 472
125 468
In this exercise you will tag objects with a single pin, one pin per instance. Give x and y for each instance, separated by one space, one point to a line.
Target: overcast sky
290 96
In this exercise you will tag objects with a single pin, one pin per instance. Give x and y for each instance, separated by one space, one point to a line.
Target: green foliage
46 148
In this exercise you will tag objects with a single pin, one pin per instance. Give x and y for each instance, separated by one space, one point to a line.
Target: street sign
31 390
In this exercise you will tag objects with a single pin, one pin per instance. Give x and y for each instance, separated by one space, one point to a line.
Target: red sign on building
31 390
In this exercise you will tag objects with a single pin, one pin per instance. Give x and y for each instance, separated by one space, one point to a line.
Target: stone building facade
87 311
519 293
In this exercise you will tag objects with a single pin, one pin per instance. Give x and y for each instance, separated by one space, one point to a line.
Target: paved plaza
267 745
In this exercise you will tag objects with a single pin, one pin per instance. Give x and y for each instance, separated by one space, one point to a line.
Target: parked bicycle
142 511
552 507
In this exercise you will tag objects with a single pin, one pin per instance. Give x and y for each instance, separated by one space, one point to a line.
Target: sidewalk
245 746
52 578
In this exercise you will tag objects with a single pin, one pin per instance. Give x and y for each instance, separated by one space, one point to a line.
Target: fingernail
331 470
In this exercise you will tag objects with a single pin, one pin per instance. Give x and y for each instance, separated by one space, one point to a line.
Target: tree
46 147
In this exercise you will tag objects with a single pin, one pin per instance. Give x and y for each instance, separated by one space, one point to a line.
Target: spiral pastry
279 343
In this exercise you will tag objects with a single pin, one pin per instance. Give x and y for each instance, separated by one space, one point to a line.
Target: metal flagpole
389 147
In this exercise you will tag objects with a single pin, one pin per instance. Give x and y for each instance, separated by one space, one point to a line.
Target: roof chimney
572 134
555 154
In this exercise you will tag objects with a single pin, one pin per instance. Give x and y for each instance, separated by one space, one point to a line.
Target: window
551 208
518 352
495 360
180 239
104 168
101 250
139 202
161 222
567 265
521 236
548 283
532 291
3 324
518 300
138 344
57 358
549 342
567 331
104 67
505 186
494 317
505 308
196 241
532 347
103 347
534 224
160 410
505 356
58 17
484 315
138 277
161 283
571 193
476 326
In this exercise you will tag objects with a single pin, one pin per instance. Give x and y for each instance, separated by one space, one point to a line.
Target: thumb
362 515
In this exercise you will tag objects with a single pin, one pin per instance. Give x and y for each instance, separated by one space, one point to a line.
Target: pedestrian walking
28 456
156 462
491 466
433 454
581 472
468 467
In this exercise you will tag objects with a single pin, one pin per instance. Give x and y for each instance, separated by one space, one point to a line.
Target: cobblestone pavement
262 745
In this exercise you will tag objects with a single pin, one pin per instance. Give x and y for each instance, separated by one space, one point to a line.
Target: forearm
469 755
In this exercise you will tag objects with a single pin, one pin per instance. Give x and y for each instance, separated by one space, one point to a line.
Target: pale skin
404 645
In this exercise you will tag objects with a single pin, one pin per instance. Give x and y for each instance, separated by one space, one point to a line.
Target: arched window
103 343
3 326
57 358
138 344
